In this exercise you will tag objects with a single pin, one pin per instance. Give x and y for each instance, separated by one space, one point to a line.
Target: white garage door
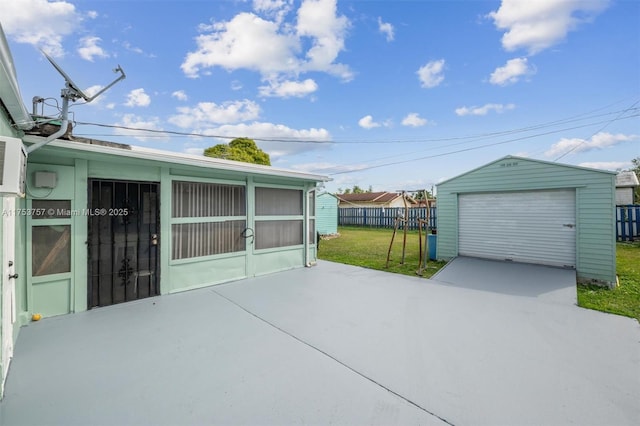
532 227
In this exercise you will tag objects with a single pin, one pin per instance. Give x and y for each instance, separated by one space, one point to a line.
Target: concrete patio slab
186 359
332 344
549 284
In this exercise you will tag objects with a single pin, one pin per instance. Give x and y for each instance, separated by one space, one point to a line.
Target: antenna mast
71 92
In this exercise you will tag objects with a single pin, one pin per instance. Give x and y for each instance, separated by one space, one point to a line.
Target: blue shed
327 214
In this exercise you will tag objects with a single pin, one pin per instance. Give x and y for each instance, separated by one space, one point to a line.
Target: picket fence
384 217
628 222
627 218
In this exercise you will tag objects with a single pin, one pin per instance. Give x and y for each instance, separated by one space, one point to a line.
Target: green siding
56 294
327 214
595 202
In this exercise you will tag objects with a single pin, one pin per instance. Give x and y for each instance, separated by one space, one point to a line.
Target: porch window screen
196 199
222 210
312 217
275 202
279 217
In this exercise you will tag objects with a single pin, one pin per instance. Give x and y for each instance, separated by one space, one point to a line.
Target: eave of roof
179 158
513 157
9 91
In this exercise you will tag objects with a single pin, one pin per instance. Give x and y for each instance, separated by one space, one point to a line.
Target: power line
468 149
368 141
599 130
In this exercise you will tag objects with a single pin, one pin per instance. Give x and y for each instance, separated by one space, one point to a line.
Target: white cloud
89 48
367 122
138 98
386 29
136 122
207 114
236 85
538 25
413 119
511 72
277 9
598 141
288 89
92 14
315 138
484 110
271 47
318 19
92 90
246 41
180 95
40 23
431 74
328 168
607 165
194 151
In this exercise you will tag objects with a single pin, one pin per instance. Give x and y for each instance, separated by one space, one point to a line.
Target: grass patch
624 300
367 247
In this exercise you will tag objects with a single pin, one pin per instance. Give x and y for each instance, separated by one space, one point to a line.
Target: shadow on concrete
511 278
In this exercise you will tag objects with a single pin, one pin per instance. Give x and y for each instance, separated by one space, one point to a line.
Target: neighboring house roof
372 197
627 180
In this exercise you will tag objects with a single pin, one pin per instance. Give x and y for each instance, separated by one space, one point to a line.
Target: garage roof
516 158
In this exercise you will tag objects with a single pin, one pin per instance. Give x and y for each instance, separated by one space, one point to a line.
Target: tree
419 195
239 149
355 190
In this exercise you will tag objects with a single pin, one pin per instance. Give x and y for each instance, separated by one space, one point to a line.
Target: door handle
14 276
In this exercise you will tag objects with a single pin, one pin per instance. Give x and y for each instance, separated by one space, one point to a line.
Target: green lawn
624 300
367 247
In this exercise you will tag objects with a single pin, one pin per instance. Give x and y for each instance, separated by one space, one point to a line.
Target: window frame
204 219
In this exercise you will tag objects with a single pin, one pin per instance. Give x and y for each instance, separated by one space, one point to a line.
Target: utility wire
599 130
462 150
391 141
455 151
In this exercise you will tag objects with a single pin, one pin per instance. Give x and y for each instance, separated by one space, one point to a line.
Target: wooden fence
627 218
628 223
383 217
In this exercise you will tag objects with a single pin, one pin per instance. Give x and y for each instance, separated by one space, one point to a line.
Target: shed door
531 227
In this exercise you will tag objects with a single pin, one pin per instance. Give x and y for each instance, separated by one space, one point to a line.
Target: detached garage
523 210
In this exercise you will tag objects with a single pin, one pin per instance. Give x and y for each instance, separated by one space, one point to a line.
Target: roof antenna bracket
71 92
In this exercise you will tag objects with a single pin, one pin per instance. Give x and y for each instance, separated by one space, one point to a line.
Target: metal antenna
71 92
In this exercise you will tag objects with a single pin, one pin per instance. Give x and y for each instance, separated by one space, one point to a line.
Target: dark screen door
124 226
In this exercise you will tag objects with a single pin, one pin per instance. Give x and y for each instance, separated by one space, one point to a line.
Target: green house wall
595 207
65 293
327 214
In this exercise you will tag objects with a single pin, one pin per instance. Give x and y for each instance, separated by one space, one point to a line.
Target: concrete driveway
332 344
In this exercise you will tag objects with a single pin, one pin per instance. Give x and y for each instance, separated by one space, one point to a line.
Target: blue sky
389 94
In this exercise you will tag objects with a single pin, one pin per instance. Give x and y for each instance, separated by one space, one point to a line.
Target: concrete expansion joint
326 354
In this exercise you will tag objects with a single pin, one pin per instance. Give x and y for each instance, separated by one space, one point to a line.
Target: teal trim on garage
595 207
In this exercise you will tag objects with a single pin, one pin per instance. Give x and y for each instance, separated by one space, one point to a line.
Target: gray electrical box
45 179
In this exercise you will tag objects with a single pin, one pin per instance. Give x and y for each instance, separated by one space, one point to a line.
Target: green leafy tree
419 195
239 149
355 190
